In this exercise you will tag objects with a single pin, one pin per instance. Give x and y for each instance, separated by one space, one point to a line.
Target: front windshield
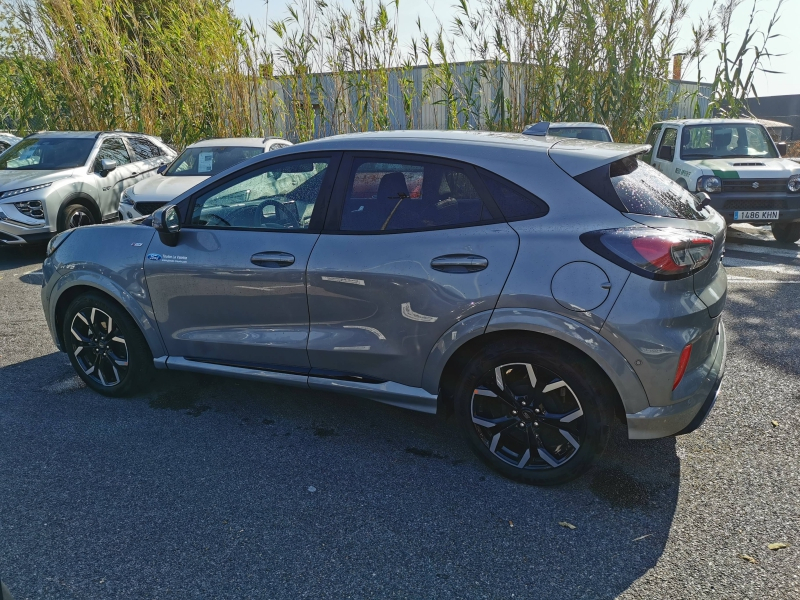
726 140
47 154
582 133
210 160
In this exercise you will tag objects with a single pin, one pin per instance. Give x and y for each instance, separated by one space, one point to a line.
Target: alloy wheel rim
99 347
527 416
79 218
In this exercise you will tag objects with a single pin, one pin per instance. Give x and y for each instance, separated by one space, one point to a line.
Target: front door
233 290
111 183
416 247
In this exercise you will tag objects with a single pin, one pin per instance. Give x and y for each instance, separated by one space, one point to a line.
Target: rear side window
515 203
409 195
143 148
644 190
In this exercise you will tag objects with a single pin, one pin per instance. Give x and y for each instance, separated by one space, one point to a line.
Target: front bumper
687 415
728 203
13 233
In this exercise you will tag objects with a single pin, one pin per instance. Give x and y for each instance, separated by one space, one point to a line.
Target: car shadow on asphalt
312 493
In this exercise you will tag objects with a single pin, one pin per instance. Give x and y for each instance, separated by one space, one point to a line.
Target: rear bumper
687 415
728 203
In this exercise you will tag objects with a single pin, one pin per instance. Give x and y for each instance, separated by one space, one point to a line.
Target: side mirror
782 148
703 199
161 169
107 165
167 222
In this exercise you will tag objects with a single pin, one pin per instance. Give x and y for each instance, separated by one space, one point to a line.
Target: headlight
710 184
794 183
10 193
57 240
126 199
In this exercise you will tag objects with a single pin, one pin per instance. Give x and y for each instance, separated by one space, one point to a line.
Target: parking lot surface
216 488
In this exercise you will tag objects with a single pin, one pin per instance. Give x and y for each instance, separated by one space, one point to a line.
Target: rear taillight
654 253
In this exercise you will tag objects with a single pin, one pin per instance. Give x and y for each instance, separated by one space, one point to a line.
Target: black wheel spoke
99 347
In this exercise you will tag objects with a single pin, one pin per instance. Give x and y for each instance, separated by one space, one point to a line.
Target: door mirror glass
172 219
782 148
167 222
107 165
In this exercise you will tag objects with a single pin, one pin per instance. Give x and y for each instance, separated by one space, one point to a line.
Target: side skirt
386 392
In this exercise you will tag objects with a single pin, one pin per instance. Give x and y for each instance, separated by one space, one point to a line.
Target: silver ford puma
532 287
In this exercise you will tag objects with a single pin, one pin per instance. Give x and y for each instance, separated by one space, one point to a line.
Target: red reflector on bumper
683 362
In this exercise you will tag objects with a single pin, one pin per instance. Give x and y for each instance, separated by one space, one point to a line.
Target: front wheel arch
455 365
82 199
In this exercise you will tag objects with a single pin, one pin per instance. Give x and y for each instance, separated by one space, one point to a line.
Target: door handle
272 260
459 263
134 173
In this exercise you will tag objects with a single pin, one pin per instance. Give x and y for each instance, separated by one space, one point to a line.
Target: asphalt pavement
215 488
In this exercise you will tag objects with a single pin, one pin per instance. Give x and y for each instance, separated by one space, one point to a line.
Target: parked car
531 287
578 130
736 162
7 140
195 164
54 181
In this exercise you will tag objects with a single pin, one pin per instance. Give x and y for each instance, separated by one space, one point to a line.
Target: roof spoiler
579 156
539 128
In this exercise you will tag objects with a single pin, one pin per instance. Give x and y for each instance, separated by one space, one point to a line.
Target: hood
159 187
747 168
12 180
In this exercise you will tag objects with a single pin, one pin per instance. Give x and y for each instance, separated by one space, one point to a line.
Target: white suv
195 164
736 162
52 181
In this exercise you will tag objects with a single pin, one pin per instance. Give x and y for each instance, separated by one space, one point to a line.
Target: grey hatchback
531 287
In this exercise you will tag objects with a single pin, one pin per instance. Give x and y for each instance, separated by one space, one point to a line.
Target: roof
768 123
246 142
712 121
87 134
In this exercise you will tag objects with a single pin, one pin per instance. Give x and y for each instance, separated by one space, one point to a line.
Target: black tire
75 215
570 404
112 363
786 233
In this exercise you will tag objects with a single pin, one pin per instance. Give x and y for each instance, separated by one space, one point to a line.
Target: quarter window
409 195
112 149
280 196
514 202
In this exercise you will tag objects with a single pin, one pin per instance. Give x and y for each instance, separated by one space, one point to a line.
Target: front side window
736 140
644 190
403 195
280 196
210 160
47 154
112 149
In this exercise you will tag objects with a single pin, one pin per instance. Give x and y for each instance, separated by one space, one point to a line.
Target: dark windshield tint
582 133
47 154
210 160
645 191
728 140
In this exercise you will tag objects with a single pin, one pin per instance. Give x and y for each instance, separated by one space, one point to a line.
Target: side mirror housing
107 165
703 199
782 148
161 169
167 222
666 153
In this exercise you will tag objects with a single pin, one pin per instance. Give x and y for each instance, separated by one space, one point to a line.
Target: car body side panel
117 271
614 364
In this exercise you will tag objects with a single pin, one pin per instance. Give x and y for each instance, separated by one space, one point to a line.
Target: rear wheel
76 215
536 414
786 233
105 346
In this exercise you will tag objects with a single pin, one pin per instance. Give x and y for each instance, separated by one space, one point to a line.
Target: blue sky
788 82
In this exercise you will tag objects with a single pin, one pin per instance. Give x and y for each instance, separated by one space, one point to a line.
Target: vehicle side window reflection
388 196
112 149
280 196
143 149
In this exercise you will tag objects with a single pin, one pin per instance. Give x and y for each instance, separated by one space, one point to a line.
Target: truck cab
736 162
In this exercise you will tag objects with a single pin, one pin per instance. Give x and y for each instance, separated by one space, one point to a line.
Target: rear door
412 245
233 290
145 156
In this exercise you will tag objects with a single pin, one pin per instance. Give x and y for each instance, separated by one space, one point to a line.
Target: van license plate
756 215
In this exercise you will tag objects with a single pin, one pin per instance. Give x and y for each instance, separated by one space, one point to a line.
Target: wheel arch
628 394
79 198
81 284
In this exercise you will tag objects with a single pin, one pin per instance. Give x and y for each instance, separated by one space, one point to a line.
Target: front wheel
76 215
786 233
105 346
540 414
